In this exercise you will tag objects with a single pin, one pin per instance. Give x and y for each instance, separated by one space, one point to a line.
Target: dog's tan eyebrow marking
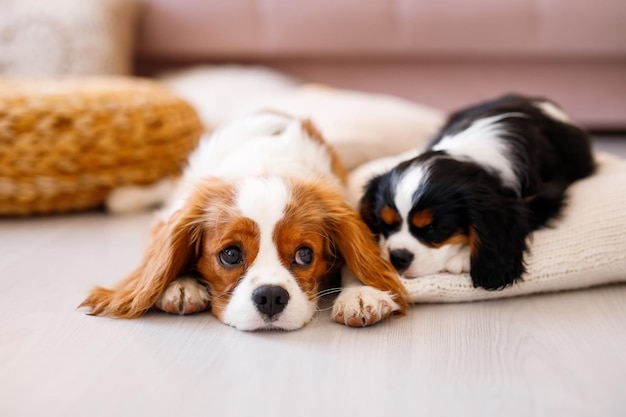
422 218
389 215
456 239
474 241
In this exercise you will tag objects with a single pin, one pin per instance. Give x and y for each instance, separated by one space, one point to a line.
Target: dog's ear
174 249
498 228
355 244
367 204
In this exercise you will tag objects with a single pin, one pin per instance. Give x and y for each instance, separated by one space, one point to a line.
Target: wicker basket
64 144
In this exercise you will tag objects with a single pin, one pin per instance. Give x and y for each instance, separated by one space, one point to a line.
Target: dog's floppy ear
367 204
174 248
498 227
362 255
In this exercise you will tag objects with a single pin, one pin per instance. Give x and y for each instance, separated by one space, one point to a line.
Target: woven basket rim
66 142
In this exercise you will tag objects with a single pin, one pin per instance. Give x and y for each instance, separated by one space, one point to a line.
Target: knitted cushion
64 144
66 37
586 247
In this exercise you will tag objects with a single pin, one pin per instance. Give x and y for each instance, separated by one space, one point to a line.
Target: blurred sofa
445 54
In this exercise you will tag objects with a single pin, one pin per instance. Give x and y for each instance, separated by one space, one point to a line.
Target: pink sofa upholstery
446 53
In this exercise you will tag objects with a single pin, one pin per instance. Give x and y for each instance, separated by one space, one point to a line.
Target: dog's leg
358 305
132 198
184 295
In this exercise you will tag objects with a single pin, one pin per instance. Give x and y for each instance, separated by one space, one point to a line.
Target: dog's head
264 245
438 214
263 236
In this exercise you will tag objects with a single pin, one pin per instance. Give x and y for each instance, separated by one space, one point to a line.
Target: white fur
412 179
133 198
265 144
264 200
553 111
448 258
482 142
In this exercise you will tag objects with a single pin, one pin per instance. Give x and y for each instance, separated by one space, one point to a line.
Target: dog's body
494 173
257 222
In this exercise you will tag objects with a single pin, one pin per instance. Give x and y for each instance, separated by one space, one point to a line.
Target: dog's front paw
363 306
134 198
460 262
184 296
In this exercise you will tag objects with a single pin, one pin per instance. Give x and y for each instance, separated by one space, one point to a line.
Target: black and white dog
495 172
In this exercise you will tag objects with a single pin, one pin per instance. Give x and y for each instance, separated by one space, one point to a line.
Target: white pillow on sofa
586 247
66 37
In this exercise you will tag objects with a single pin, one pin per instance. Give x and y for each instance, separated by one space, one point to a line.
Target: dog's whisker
322 309
326 292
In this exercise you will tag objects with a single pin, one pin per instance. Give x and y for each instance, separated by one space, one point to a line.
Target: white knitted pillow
66 37
586 247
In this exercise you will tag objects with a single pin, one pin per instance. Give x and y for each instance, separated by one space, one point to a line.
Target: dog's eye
304 256
231 256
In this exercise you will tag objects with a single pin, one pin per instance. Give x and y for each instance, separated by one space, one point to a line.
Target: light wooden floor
547 355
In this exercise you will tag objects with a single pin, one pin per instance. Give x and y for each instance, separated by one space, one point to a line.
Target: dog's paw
184 296
135 198
460 262
363 306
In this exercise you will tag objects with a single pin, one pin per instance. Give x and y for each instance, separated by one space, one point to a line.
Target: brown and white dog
256 224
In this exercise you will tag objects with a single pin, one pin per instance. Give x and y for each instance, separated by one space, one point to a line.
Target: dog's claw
363 306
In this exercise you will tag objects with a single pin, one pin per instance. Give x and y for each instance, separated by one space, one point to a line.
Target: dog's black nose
401 259
270 299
